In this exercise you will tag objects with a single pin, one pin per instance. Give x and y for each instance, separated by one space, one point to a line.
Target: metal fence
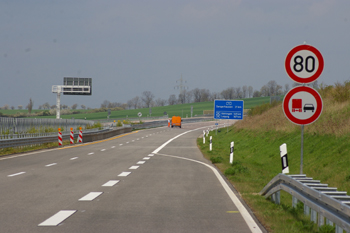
9 125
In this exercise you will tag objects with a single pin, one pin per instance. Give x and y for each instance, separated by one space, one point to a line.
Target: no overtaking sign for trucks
302 105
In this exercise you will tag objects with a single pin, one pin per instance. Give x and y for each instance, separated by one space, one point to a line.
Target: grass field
183 110
257 159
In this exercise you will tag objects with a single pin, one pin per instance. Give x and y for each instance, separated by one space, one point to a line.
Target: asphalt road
152 180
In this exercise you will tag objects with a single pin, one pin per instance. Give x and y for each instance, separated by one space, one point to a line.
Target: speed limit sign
304 64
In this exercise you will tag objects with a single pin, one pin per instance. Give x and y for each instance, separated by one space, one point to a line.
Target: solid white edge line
244 212
90 196
110 183
57 218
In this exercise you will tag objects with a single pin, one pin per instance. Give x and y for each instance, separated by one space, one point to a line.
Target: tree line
147 99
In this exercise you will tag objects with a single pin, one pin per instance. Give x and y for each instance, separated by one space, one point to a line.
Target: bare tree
182 98
147 98
74 106
239 93
214 96
264 91
105 104
244 91
228 93
6 107
274 88
286 88
160 102
20 106
250 92
205 95
196 95
12 107
46 105
83 106
172 99
136 102
30 105
257 94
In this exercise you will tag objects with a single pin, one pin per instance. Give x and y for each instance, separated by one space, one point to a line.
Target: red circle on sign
292 74
290 116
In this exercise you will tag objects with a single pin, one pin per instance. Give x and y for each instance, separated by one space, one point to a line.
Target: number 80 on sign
304 64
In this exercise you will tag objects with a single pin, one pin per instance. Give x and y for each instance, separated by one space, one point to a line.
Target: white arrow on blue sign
228 109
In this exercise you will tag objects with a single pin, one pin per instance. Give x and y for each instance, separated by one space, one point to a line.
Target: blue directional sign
228 109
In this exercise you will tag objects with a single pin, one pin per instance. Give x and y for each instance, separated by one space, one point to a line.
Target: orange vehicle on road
176 121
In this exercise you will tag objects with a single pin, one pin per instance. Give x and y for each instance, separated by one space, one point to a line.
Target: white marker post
203 136
231 152
284 158
211 143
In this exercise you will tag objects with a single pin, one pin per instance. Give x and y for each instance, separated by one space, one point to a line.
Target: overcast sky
131 46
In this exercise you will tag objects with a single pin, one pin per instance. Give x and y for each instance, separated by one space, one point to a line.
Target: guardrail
87 137
324 202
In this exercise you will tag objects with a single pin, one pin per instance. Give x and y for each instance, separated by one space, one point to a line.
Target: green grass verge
24 149
257 161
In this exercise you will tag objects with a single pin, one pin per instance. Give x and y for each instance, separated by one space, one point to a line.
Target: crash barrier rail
154 124
34 135
324 202
87 137
10 125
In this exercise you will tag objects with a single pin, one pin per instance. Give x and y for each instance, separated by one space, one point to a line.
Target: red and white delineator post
71 136
59 137
80 138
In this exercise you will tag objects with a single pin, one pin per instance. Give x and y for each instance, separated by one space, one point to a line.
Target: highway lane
130 188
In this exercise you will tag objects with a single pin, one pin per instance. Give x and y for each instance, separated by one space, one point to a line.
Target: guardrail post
329 222
320 219
294 202
338 229
203 136
313 216
276 198
306 210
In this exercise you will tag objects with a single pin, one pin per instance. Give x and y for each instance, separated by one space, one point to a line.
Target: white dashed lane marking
141 162
146 158
16 174
111 183
74 158
103 149
134 167
91 153
113 147
57 218
124 174
50 165
90 196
